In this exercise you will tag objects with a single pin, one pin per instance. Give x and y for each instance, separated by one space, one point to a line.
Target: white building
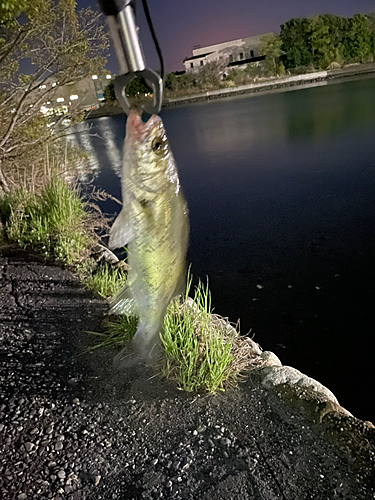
235 52
83 94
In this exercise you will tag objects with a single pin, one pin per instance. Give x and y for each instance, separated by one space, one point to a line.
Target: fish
153 225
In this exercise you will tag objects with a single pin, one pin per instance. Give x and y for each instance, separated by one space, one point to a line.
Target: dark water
281 193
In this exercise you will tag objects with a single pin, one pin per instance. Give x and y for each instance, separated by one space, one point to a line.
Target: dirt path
72 427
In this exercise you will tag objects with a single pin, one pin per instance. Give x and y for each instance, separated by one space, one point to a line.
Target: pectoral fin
120 233
123 303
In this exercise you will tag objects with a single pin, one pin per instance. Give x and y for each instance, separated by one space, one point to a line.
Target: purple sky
181 24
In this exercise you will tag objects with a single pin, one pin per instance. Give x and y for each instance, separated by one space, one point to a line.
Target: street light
94 77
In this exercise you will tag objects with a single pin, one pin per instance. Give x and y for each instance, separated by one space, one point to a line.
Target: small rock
259 287
59 446
28 446
49 429
61 474
97 480
270 359
22 496
226 442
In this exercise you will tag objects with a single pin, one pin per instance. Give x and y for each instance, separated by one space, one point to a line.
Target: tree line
325 39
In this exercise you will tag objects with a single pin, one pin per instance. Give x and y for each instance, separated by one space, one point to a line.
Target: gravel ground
71 427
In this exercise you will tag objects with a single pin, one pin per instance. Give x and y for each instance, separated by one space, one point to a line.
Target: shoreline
74 427
297 82
315 79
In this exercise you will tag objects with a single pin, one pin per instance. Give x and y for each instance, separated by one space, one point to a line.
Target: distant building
83 94
234 52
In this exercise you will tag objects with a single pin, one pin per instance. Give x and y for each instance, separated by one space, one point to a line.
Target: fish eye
157 144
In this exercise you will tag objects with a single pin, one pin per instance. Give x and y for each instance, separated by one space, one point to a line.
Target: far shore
282 84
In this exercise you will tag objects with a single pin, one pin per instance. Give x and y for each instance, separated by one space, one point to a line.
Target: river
281 196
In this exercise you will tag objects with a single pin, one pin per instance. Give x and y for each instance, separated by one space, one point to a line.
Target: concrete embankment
307 80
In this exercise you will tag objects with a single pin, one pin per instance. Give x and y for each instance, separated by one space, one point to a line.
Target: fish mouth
138 129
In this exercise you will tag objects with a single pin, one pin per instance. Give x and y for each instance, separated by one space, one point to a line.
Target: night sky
181 24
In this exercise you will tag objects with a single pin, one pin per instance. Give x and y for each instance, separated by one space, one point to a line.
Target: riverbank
308 80
73 427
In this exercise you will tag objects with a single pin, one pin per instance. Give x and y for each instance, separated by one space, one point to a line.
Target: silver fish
153 223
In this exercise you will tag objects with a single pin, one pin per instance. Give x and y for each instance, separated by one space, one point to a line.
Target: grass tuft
197 346
107 280
117 333
53 221
202 351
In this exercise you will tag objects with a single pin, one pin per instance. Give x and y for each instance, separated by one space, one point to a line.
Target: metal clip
124 34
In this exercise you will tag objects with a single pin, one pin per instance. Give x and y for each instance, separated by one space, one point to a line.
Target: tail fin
120 233
147 344
146 349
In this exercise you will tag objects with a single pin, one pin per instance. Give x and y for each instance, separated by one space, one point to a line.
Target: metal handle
124 34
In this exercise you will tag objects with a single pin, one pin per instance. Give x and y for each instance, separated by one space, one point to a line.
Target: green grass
107 280
52 221
197 344
117 333
202 351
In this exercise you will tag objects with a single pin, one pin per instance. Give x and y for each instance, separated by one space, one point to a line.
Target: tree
295 43
360 38
109 92
137 86
55 45
171 82
9 10
271 48
209 75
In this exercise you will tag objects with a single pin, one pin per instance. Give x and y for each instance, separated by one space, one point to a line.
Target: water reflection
329 112
82 136
113 152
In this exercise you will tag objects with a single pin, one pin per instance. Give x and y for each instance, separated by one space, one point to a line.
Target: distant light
48 102
42 86
45 110
93 107
94 77
54 84
60 99
73 97
31 105
108 77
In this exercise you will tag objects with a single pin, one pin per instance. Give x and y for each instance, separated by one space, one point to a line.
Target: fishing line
154 37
